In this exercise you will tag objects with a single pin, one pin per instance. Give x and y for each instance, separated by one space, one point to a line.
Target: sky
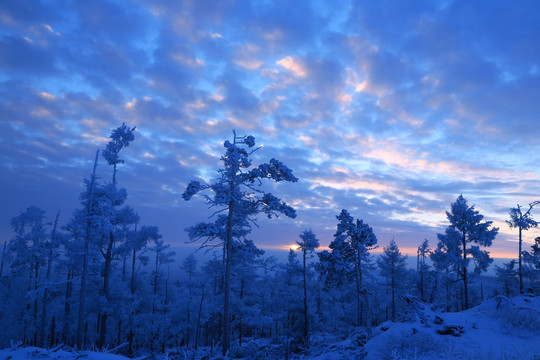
389 109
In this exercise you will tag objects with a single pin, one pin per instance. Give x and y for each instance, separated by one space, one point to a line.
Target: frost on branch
249 141
193 188
274 170
120 138
274 205
481 259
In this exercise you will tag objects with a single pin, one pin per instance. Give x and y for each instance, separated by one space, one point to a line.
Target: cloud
23 55
293 65
386 109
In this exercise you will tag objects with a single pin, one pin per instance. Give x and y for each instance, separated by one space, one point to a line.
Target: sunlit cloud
293 65
47 96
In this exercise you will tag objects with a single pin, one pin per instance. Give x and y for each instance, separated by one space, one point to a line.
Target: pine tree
531 268
308 244
521 221
246 259
360 239
236 193
85 216
507 274
30 249
120 138
293 326
189 265
466 227
422 267
392 267
447 260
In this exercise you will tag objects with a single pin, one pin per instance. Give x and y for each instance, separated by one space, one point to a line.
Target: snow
34 353
499 328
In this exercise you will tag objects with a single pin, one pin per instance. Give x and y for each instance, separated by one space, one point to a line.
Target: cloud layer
390 110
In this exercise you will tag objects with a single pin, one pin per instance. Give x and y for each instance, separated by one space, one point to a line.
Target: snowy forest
101 281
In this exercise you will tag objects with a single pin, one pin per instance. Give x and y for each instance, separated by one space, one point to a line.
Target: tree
507 274
308 244
421 267
447 259
30 248
292 278
245 261
237 194
466 225
392 266
102 219
531 269
120 138
189 265
51 246
359 237
522 222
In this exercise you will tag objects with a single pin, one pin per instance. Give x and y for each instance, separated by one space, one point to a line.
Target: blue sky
389 109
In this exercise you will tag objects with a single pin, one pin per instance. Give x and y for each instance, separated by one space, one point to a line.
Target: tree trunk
188 310
119 336
519 264
132 285
3 256
52 340
358 277
103 330
227 285
393 293
106 278
306 319
45 299
240 316
82 296
465 284
35 314
125 255
422 285
108 255
197 331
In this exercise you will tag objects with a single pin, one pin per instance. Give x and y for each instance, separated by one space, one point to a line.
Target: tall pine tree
466 228
237 194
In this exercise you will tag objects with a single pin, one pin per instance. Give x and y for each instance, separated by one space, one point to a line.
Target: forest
101 281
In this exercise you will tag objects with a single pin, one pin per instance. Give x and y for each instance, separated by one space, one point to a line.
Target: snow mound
499 328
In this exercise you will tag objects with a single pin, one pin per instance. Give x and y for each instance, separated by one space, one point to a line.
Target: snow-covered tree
521 221
29 247
361 239
422 267
82 222
507 274
120 138
447 260
245 263
308 244
189 265
392 266
292 275
466 227
237 193
531 268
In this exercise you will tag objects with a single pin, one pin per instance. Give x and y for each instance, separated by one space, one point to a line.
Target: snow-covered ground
499 328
